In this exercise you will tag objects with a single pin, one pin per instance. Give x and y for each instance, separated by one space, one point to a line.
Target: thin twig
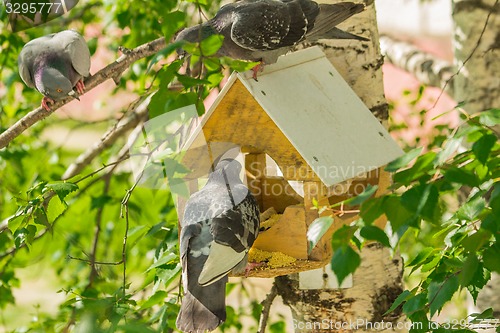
266 308
97 232
115 263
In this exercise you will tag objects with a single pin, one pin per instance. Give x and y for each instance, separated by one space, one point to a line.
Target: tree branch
112 71
114 133
427 68
266 308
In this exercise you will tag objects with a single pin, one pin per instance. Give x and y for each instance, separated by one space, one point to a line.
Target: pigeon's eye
59 90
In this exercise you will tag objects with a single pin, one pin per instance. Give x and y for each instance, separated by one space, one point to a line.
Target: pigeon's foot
252 265
80 87
257 69
46 101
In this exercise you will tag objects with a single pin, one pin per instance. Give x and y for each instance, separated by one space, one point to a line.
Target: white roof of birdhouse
317 111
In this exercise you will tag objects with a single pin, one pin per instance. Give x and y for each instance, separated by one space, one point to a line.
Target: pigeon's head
194 35
227 170
52 83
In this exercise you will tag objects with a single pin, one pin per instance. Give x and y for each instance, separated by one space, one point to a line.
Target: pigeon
220 224
263 30
55 64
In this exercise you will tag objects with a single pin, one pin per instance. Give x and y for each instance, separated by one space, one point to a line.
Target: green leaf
422 167
461 176
55 208
422 256
238 65
372 232
99 202
168 257
342 237
209 46
189 82
423 201
490 117
483 146
40 217
404 160
172 22
449 149
441 292
317 229
471 209
475 241
400 299
486 314
415 303
157 299
469 270
371 210
15 222
397 214
62 189
490 259
362 197
163 54
345 261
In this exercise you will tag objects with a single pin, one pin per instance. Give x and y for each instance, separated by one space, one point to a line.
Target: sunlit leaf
404 160
317 229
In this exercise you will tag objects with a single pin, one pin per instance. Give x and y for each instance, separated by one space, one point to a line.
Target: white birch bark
477 53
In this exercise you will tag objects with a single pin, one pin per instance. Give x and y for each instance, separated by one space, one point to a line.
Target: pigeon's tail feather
336 33
194 317
330 15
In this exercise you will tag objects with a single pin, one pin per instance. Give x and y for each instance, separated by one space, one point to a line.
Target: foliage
446 203
112 244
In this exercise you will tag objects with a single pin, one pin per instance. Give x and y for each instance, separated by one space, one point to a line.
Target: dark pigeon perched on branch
263 30
220 224
55 64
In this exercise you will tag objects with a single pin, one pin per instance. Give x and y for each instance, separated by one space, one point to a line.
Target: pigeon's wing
77 50
234 233
261 25
332 14
26 58
187 233
24 63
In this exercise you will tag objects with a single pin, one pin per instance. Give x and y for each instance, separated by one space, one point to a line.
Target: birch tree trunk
377 282
477 50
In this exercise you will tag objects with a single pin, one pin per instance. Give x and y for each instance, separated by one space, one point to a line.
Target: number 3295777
32 8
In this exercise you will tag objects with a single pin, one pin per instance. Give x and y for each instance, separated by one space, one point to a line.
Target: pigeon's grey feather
55 63
262 30
220 224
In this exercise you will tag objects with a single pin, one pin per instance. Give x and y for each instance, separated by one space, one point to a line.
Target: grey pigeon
220 224
55 64
263 30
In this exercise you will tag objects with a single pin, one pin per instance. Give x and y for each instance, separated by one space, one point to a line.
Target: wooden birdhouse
326 144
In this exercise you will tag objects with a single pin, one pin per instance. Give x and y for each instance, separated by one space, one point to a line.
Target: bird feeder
324 140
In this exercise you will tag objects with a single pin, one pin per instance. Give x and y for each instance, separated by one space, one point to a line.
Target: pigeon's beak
73 94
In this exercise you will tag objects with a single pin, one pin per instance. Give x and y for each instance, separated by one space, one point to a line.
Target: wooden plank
298 266
277 193
288 235
255 168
